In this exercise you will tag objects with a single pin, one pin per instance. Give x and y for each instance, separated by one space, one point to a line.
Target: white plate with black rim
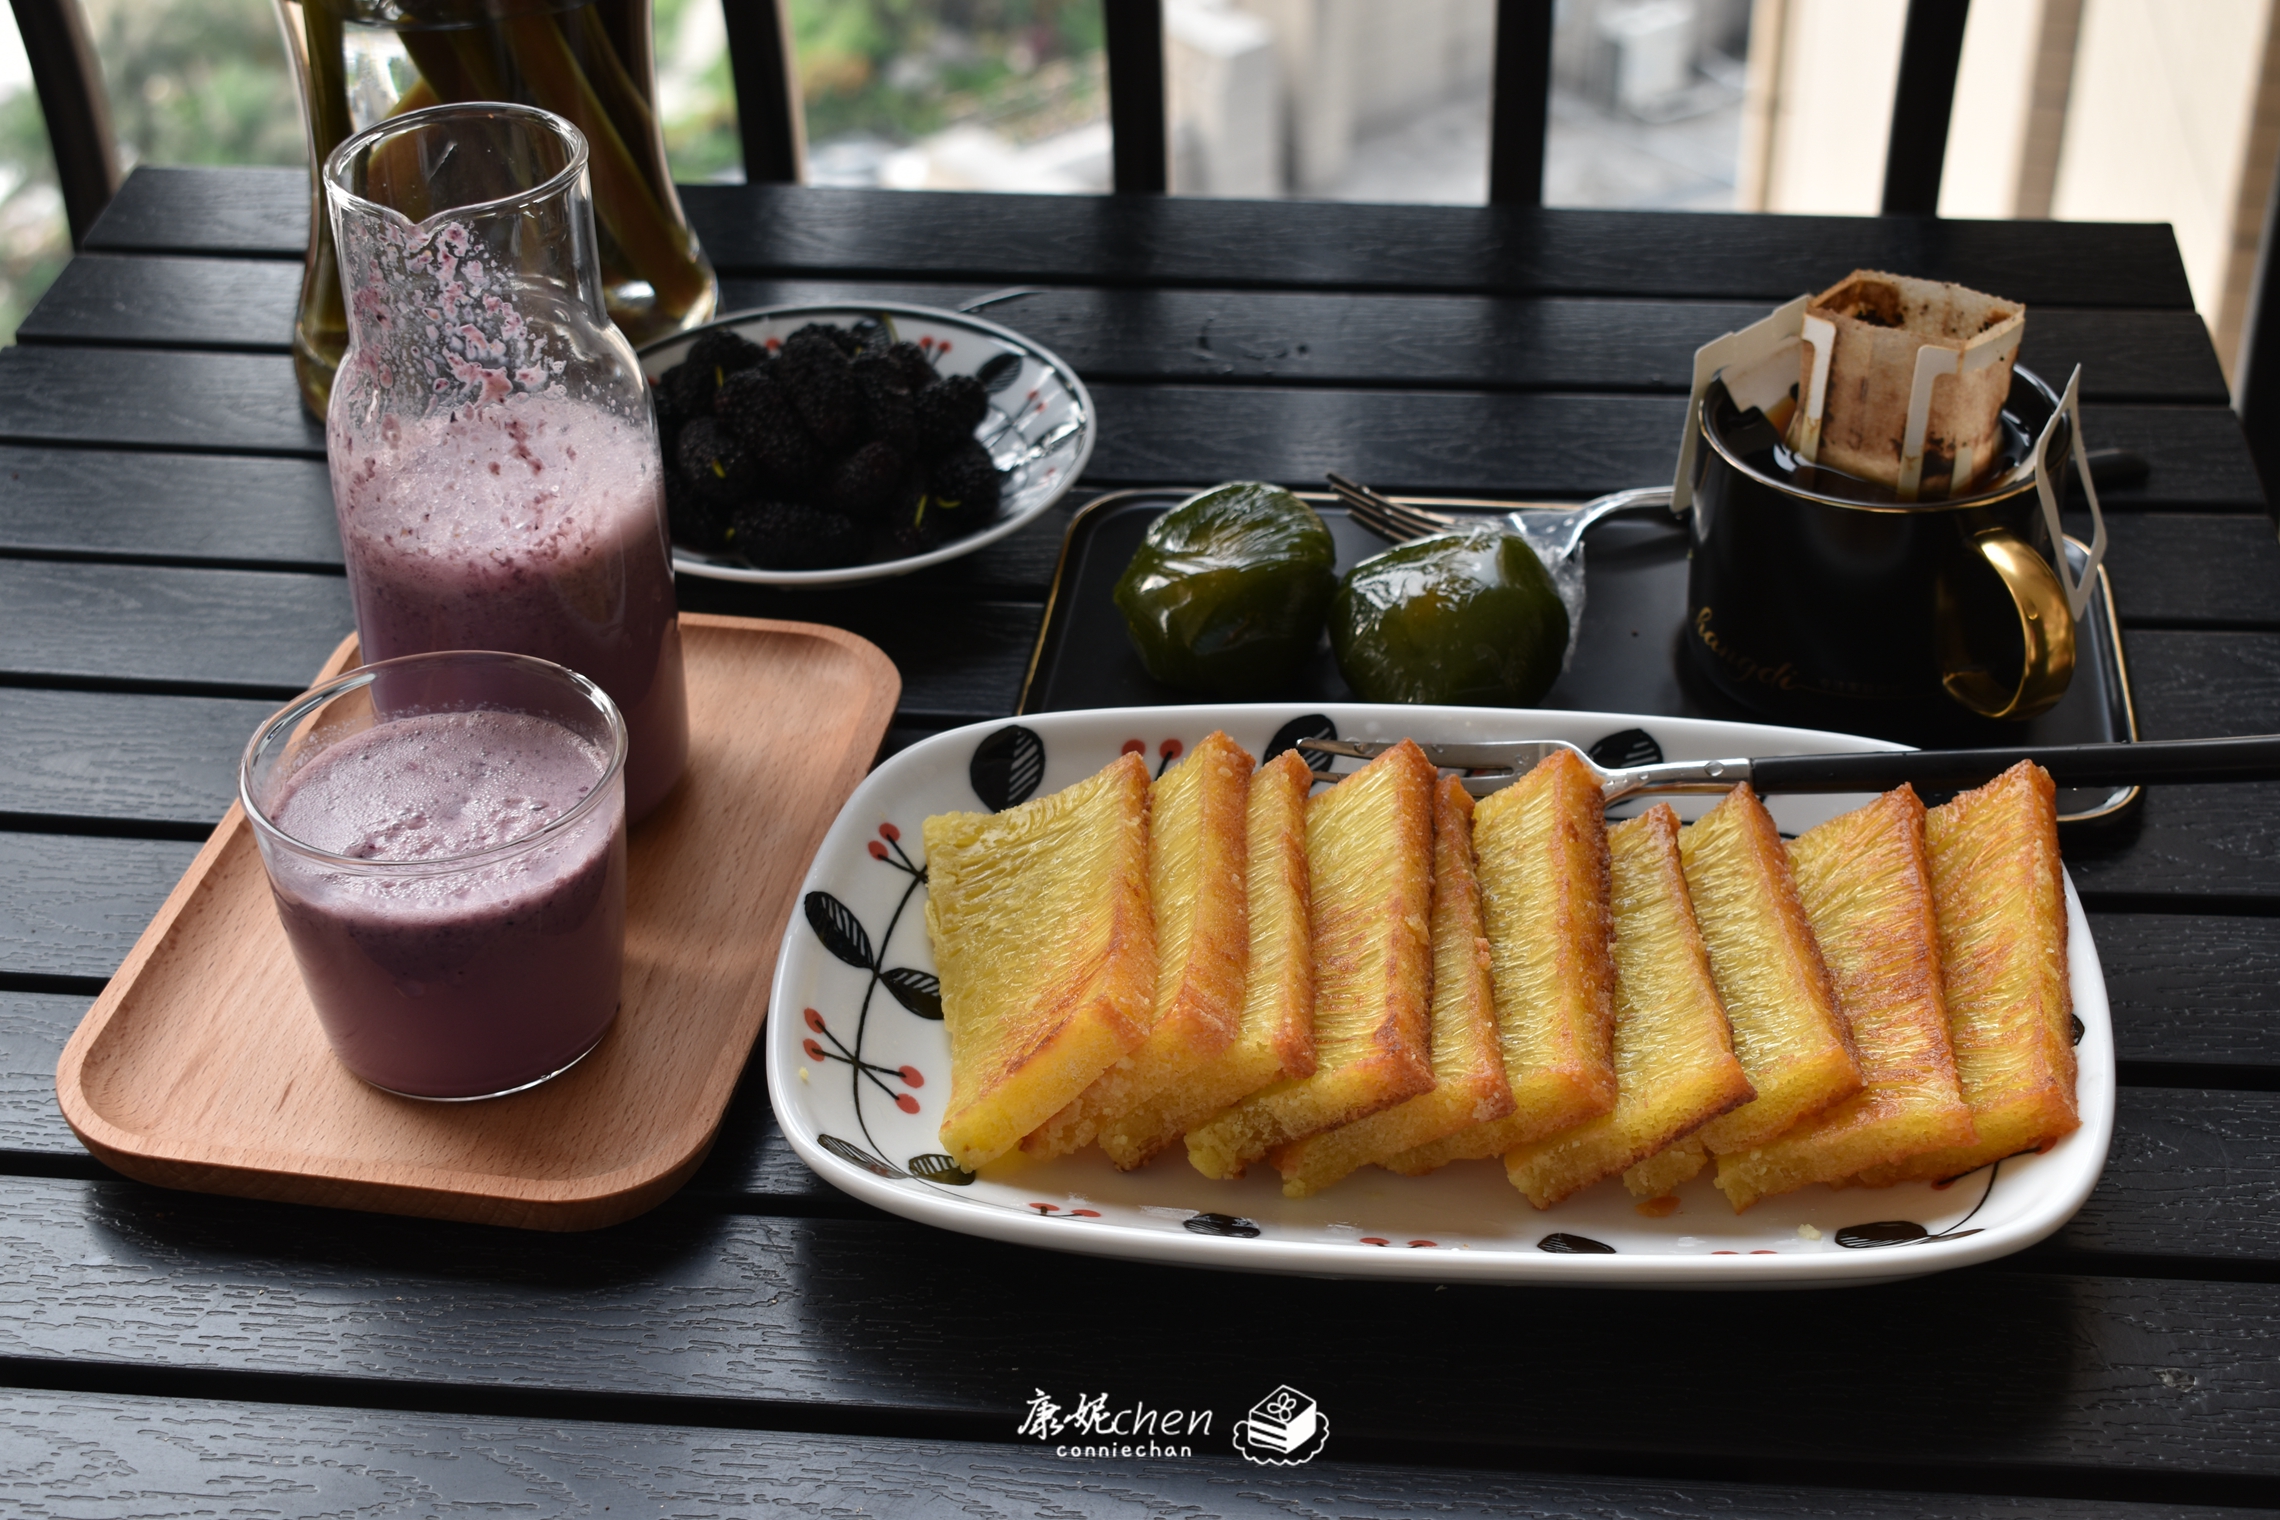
859 1061
1039 428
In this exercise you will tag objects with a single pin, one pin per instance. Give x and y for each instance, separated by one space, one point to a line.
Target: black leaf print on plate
1885 1232
1891 1232
1633 746
2080 1028
936 1167
1007 767
1312 726
855 1155
1561 1243
1221 1224
1001 371
835 924
919 991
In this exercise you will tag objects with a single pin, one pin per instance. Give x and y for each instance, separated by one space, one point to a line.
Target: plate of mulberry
821 445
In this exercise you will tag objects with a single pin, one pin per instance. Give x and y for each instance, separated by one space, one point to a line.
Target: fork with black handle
1496 764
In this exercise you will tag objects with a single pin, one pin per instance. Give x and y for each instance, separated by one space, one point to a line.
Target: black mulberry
948 412
866 480
967 482
713 464
842 338
904 540
709 362
911 363
755 409
725 353
697 521
816 375
791 535
887 413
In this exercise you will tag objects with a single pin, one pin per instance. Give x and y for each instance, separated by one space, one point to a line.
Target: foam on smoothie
436 785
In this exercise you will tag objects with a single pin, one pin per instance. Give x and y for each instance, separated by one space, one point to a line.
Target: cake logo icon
1285 1428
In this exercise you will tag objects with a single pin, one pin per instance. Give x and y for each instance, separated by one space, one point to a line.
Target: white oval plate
1039 428
870 1129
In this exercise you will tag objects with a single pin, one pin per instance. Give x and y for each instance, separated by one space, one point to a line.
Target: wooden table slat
254 632
1179 241
1445 342
185 1459
1996 1370
123 758
1512 443
72 905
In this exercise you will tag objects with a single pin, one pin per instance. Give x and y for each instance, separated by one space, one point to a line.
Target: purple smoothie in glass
443 977
527 523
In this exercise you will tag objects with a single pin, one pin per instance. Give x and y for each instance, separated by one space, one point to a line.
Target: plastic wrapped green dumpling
1226 593
1468 617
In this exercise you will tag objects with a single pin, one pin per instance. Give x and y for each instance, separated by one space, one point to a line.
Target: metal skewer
1499 763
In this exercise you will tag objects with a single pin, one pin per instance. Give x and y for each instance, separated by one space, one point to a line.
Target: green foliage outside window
898 70
206 82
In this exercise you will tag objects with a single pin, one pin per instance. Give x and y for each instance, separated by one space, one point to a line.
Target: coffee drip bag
1910 377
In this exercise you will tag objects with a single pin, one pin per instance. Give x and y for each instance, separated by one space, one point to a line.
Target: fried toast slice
1469 1086
1675 1068
1666 1170
1793 1043
1541 849
1274 1036
1369 852
1865 884
1046 952
2001 897
1198 838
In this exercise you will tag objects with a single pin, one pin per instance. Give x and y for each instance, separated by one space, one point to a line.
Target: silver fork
1554 530
2253 757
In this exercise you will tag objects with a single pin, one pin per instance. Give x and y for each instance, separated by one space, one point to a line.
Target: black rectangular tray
1628 656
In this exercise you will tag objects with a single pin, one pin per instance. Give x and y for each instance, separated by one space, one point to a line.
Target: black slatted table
169 570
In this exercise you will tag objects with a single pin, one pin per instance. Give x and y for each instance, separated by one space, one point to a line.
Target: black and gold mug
1819 598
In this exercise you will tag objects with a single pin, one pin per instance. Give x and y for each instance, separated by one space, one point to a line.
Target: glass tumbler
445 841
494 456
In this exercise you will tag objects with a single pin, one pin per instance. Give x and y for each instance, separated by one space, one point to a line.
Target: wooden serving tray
202 1066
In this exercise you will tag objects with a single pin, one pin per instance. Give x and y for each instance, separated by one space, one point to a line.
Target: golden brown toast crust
1865 882
1369 843
1046 951
1469 1085
1666 1170
1541 849
1795 1046
2001 896
1275 1035
1674 1052
1198 816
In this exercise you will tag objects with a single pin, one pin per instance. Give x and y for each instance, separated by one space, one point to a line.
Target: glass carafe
358 62
494 456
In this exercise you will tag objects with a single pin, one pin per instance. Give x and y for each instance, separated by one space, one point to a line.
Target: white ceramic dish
855 978
1039 428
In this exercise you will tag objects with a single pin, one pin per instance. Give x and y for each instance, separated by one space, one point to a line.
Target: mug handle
2046 626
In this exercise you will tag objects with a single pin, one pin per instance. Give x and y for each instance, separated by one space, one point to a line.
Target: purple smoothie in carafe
440 977
528 523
